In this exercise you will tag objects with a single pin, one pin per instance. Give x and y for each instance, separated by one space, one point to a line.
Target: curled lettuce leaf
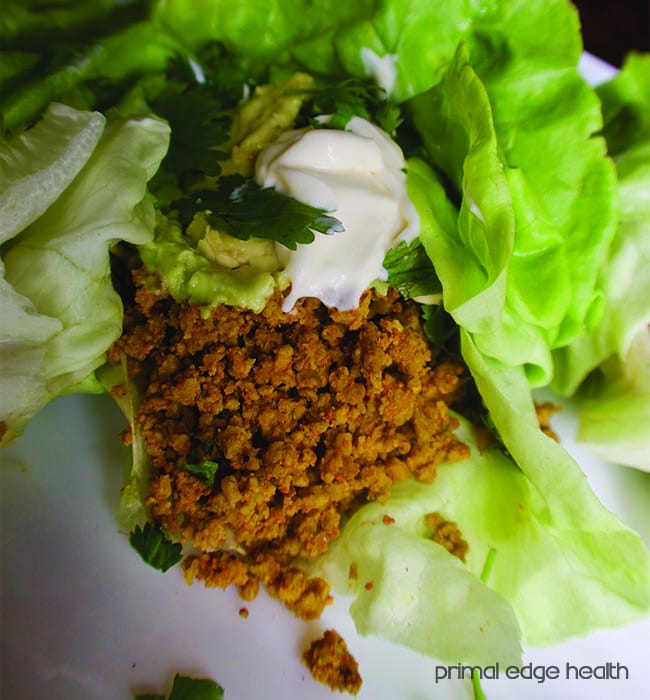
132 511
534 224
62 210
614 406
409 589
626 101
563 563
598 568
89 75
608 369
519 257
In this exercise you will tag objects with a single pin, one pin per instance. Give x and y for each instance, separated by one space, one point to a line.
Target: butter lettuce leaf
599 568
507 247
614 406
533 226
364 39
625 100
563 563
87 190
258 31
87 74
608 369
411 590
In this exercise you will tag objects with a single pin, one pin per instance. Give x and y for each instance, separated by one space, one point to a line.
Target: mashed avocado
208 267
215 269
260 120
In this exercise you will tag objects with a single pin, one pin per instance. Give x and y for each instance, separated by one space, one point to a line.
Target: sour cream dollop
357 175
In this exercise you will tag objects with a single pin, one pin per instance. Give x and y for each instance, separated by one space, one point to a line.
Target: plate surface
84 619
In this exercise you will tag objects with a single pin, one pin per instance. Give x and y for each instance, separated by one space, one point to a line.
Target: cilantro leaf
154 547
225 73
353 97
388 116
343 101
198 127
205 471
411 271
243 209
440 328
186 688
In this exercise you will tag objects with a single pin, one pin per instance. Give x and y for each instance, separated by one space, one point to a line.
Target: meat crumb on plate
332 664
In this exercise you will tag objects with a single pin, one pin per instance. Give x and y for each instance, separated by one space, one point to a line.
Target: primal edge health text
537 672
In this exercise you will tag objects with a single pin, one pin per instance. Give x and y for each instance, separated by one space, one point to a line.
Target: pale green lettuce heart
56 286
37 167
608 369
410 590
599 568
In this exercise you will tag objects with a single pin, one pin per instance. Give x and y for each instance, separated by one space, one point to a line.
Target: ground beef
545 411
331 663
447 534
308 415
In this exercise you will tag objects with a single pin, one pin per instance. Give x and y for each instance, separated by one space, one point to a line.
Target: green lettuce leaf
257 31
87 190
564 564
410 590
88 75
25 22
131 512
625 102
614 407
598 568
609 367
533 225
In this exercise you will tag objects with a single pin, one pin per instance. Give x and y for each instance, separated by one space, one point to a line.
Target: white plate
83 618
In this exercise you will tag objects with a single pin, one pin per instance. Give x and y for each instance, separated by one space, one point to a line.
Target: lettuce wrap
73 186
528 221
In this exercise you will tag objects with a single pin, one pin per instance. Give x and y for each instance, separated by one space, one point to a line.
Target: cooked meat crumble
331 663
447 534
308 415
545 411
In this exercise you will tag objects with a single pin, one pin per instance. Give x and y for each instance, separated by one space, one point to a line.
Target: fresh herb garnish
352 98
196 99
205 471
225 73
186 688
154 547
240 207
199 127
410 270
440 328
198 118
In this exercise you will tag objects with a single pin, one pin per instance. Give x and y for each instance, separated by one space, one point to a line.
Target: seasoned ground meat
545 411
308 415
447 534
331 663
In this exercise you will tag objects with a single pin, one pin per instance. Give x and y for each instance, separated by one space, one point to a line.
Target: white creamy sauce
382 69
357 175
